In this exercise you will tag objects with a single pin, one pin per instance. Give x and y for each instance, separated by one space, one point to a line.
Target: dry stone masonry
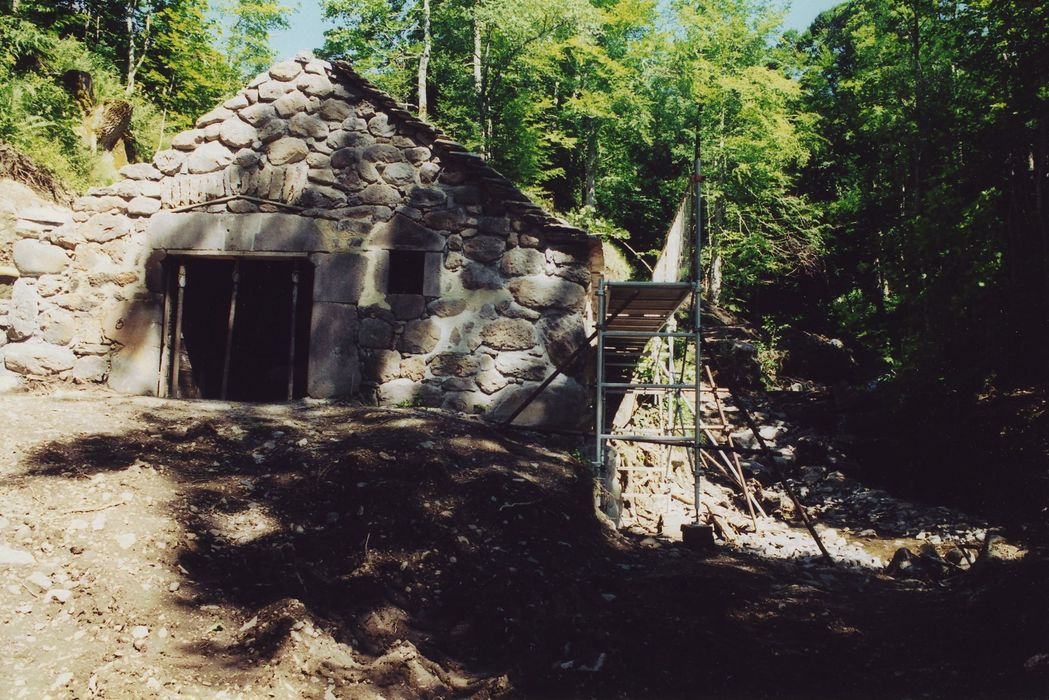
310 160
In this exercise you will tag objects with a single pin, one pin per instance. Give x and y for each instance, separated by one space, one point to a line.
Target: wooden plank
228 352
176 356
164 382
291 344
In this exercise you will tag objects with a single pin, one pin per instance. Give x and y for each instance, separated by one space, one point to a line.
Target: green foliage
171 59
247 36
37 114
770 354
932 147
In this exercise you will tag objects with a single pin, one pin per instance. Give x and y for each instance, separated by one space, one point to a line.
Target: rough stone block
335 110
291 103
562 335
400 174
509 334
375 333
34 258
484 248
143 206
333 364
445 308
38 358
522 261
92 368
303 124
419 337
457 364
287 150
379 366
380 194
406 306
408 392
58 326
140 171
23 313
208 158
258 114
522 365
236 133
480 276
540 292
285 70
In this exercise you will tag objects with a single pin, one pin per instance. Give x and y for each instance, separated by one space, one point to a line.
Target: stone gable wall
309 159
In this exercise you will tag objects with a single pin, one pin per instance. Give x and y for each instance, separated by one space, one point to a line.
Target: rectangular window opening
407 271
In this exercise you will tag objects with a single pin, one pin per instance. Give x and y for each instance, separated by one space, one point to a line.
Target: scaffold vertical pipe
599 418
697 297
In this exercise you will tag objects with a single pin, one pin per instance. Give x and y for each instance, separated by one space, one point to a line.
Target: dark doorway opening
236 328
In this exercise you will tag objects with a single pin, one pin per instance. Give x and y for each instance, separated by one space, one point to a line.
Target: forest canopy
880 177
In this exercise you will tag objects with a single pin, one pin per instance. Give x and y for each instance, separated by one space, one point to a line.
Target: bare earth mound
188 549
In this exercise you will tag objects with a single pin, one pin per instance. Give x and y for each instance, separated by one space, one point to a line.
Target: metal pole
176 349
599 419
697 211
291 343
229 331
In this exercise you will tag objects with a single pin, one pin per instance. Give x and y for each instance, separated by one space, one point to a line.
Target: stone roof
218 160
473 164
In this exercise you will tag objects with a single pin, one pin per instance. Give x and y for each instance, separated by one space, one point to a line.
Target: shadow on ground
481 550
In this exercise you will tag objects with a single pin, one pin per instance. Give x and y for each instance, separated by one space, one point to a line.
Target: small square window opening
406 272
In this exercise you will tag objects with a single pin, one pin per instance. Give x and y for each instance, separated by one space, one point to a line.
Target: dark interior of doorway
238 339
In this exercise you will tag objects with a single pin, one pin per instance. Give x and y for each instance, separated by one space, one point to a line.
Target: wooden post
291 343
229 331
176 348
164 382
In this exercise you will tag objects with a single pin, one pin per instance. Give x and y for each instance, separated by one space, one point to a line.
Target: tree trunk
424 61
479 88
133 62
590 167
132 68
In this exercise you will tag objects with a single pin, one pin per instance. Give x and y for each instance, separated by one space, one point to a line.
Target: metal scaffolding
637 318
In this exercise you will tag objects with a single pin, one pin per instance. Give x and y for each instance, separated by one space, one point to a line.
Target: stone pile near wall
48 327
311 158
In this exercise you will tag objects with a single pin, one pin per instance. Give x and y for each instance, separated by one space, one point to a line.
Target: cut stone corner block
334 369
562 405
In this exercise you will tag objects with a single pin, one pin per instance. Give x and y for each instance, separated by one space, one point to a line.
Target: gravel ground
197 549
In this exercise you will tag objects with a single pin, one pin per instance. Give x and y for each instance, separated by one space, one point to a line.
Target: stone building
308 238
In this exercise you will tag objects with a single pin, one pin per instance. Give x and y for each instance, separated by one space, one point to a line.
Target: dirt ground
160 549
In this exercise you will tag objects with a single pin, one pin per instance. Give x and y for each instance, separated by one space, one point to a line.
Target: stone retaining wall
311 160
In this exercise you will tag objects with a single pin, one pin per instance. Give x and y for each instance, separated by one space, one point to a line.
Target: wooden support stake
291 343
753 427
229 331
176 349
164 383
